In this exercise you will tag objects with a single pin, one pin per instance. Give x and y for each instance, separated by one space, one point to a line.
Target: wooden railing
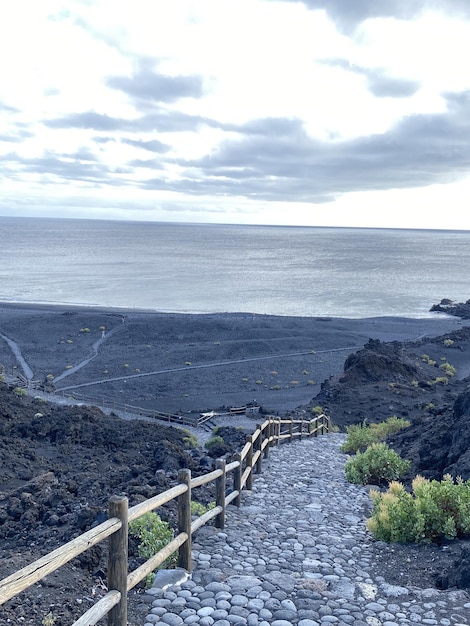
114 604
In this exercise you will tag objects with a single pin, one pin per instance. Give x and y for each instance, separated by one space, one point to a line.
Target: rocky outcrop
458 309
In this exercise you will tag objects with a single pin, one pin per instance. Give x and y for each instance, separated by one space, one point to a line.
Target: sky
314 112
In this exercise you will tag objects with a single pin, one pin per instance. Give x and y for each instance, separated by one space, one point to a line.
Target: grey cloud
149 86
379 83
158 120
348 14
385 87
78 166
419 151
152 145
89 119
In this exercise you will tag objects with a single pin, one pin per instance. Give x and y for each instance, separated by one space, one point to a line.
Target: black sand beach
191 363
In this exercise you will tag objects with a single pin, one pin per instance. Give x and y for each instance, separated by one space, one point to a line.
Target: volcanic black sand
180 363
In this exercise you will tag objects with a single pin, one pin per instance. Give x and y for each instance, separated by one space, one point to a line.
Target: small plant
448 369
102 328
50 377
20 392
48 620
448 342
213 443
310 382
187 363
189 440
439 379
294 382
305 373
69 340
216 343
245 379
84 330
153 534
259 381
427 359
276 387
68 367
198 509
378 465
316 410
274 373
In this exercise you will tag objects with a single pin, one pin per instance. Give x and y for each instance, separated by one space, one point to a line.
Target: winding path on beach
193 367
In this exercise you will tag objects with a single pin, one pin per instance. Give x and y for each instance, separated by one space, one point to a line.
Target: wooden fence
241 469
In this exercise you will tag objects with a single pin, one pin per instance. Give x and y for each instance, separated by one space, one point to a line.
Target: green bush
198 509
154 534
20 392
448 369
434 510
378 465
360 436
214 441
189 440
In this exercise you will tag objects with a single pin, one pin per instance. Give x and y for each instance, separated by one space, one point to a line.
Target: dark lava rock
459 309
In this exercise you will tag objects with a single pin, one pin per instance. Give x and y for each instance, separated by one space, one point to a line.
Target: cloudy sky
314 112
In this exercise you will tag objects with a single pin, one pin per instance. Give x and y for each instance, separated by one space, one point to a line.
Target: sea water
208 268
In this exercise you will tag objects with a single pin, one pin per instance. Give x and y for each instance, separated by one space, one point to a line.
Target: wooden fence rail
248 461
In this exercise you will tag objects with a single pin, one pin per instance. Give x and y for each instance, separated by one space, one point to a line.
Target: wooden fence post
259 446
220 494
249 463
117 560
301 427
268 436
237 479
184 519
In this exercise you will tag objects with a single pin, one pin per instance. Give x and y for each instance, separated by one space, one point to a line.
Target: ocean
213 268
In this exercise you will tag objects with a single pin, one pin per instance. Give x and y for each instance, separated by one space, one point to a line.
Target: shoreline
30 307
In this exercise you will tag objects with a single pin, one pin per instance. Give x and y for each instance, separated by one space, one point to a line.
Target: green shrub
360 436
378 465
20 392
199 509
434 510
189 440
316 410
448 369
153 534
214 442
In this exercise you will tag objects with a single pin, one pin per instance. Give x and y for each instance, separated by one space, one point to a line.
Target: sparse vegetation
360 436
448 369
20 392
427 359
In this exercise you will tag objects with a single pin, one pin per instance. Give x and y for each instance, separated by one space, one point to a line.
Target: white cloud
236 110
